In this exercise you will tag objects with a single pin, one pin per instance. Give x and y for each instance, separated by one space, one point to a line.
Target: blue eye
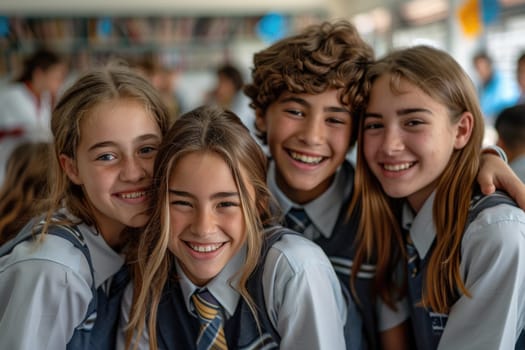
106 157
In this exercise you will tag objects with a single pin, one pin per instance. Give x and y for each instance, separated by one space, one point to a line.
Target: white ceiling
335 8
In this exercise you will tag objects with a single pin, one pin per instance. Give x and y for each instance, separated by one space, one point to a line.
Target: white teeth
205 248
397 167
133 195
306 159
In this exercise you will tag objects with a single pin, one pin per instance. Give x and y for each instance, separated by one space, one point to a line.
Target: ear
463 130
69 166
260 120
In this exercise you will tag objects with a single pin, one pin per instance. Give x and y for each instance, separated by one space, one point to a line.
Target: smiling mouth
132 195
205 248
398 167
303 158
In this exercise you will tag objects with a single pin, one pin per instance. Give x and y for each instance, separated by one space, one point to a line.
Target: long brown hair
205 129
24 188
439 76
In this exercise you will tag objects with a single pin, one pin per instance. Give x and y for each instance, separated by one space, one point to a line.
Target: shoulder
296 252
500 226
12 90
52 256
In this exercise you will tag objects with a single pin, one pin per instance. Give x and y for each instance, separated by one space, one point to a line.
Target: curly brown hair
322 57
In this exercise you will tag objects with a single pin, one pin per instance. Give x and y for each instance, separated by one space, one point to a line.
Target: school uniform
300 293
493 270
46 289
334 232
518 166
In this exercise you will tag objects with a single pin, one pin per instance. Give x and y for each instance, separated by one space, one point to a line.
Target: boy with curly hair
306 91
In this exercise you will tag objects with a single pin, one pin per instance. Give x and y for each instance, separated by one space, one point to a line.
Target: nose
203 222
313 131
133 170
392 141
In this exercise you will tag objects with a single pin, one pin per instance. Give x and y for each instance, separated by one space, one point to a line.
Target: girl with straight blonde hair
211 236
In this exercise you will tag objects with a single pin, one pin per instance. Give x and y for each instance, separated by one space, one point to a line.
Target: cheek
341 140
281 127
148 166
369 147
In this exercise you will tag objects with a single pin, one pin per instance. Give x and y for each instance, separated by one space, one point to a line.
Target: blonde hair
24 188
95 87
205 129
439 76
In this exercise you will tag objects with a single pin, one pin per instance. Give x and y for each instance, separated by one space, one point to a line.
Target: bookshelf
191 42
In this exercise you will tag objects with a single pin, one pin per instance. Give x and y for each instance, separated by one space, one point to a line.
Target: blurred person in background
163 78
494 92
227 93
26 102
510 126
521 77
25 185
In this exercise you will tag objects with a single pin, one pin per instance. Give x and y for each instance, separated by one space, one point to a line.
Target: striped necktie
296 219
413 257
211 334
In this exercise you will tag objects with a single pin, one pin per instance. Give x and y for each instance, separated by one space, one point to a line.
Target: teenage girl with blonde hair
211 237
62 276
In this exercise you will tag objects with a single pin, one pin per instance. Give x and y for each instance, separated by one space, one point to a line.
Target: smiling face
114 164
206 219
308 136
409 139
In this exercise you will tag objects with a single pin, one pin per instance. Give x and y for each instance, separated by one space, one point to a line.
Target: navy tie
413 257
211 334
297 220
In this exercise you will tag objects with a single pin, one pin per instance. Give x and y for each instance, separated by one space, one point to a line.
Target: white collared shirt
493 269
322 211
45 289
302 294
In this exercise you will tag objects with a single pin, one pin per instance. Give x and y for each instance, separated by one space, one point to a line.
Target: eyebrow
306 104
400 112
141 138
217 195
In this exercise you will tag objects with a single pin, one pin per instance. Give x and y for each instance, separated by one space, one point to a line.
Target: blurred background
182 44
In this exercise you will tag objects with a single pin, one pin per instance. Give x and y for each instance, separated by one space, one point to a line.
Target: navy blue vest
427 325
177 329
99 327
340 250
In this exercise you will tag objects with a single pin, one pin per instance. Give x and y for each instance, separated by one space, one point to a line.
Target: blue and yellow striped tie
211 335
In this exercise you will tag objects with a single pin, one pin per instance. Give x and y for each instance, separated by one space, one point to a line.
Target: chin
139 220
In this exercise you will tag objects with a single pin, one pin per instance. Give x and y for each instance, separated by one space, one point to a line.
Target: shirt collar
420 225
223 286
324 210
